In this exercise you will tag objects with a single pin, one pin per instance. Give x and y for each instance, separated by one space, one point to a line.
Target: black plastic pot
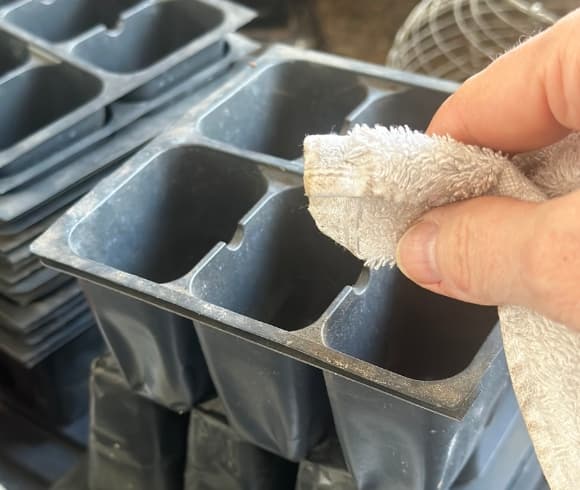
325 469
219 459
502 460
134 443
157 352
274 402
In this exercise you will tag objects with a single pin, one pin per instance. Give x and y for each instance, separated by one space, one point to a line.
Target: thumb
496 251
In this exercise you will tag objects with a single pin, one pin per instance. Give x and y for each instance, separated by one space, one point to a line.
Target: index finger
526 99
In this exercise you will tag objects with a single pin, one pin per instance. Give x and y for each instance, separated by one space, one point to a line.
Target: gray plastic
51 324
57 21
17 319
30 291
287 101
29 334
13 53
119 115
157 351
413 108
133 443
70 59
325 469
502 460
55 389
133 123
245 261
219 459
10 242
273 401
29 355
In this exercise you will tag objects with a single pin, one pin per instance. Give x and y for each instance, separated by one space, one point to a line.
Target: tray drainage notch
40 96
195 198
60 20
150 35
399 327
285 274
276 109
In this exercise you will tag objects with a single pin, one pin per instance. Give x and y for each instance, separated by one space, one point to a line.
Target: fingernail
416 253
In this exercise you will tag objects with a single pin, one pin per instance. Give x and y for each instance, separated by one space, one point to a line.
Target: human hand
495 250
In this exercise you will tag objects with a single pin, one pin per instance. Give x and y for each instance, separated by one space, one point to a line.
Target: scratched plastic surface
211 225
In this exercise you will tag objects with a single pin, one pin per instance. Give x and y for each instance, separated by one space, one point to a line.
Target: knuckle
460 255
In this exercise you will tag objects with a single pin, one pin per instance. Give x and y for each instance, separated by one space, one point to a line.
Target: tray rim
305 345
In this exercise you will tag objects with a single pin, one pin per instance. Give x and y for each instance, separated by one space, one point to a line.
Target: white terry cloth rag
367 187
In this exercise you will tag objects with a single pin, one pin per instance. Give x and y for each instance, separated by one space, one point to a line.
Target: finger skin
503 251
497 251
526 99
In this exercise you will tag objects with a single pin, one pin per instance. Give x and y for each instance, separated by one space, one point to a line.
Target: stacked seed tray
84 84
137 443
205 271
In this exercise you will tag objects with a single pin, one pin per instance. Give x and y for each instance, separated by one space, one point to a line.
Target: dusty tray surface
70 59
246 257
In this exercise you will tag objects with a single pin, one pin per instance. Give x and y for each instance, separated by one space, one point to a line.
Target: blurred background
450 39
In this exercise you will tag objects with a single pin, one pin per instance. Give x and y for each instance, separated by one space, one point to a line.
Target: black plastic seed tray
325 469
170 368
64 62
55 389
30 354
51 325
35 332
216 457
50 208
38 287
30 283
26 319
211 224
42 199
508 468
502 460
219 459
11 242
22 280
12 274
133 443
121 114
